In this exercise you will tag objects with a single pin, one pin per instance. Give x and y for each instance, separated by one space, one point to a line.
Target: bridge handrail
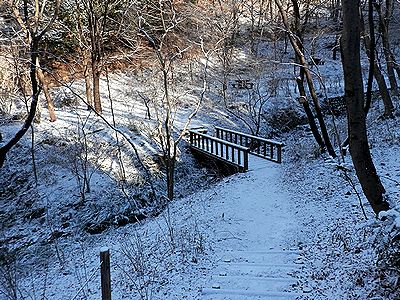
250 136
225 142
271 154
219 151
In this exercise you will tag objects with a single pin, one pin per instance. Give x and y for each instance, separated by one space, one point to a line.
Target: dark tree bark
371 49
310 117
354 94
35 98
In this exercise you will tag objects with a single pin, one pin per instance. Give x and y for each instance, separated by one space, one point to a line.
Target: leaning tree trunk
384 30
310 117
384 92
34 103
356 118
369 45
294 41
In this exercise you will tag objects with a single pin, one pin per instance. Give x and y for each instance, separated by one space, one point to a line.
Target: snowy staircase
255 275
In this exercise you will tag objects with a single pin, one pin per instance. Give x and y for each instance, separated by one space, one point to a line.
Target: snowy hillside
285 231
99 179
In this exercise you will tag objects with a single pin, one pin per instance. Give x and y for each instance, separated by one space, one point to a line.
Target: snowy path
252 242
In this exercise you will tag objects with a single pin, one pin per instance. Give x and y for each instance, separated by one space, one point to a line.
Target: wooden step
233 294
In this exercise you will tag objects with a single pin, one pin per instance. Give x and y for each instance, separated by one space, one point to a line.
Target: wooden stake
105 274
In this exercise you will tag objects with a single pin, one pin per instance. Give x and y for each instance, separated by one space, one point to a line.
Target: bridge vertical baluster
226 152
233 154
222 150
230 137
207 144
265 149
239 157
272 151
258 147
212 146
216 148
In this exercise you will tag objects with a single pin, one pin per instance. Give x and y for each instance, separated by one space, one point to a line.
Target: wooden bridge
233 148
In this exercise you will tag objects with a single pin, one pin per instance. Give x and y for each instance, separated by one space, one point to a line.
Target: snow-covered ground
286 231
278 231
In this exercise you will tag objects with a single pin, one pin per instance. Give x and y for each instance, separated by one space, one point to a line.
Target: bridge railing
234 154
265 148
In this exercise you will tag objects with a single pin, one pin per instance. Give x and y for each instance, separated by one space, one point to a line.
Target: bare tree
83 48
160 36
38 16
94 24
36 27
297 46
354 94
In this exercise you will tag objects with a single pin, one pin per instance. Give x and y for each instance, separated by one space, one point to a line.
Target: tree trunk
170 177
384 92
86 75
354 94
95 28
45 88
299 53
35 98
84 53
370 50
370 47
396 66
96 86
310 117
384 30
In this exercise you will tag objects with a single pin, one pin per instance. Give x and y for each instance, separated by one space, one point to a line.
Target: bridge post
279 148
246 160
